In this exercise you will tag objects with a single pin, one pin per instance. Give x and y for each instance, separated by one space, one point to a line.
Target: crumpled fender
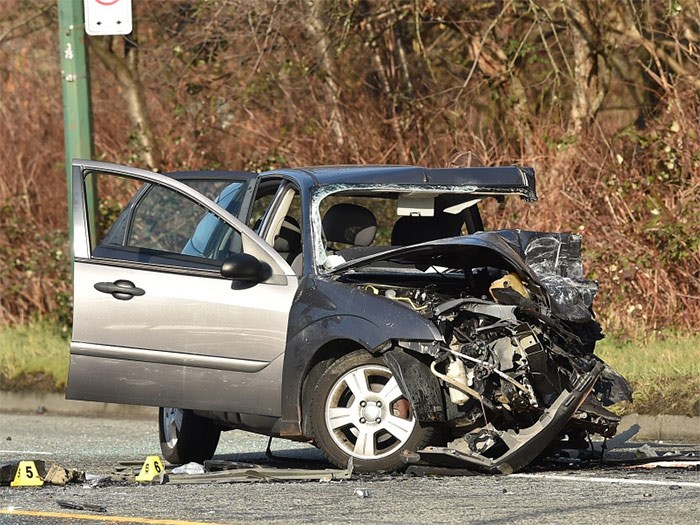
419 385
325 311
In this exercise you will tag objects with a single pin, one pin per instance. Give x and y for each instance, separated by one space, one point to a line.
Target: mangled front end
516 362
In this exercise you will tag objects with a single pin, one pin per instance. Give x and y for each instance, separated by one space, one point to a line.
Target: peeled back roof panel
505 179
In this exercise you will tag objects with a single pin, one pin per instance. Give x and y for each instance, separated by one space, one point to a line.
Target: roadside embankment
29 402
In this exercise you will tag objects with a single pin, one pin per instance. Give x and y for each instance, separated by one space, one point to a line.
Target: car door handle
121 289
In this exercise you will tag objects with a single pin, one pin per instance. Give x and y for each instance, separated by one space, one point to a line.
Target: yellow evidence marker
152 468
27 475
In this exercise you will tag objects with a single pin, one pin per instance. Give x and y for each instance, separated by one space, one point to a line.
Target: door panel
188 313
131 382
154 321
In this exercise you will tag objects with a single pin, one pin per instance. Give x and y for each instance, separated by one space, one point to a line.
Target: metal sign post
104 17
75 82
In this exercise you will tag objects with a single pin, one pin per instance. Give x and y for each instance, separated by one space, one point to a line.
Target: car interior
352 231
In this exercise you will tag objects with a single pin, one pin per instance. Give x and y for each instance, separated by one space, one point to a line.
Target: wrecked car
362 308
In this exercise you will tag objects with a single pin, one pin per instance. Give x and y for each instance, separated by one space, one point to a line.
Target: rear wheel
358 409
186 437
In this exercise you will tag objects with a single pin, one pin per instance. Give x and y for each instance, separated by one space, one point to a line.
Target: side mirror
245 267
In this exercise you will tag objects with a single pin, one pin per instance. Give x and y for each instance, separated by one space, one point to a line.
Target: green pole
77 111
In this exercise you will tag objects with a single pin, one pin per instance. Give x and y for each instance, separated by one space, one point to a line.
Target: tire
186 437
358 410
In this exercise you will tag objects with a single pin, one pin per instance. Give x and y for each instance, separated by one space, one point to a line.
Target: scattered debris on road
37 473
668 463
260 473
80 506
645 451
362 493
189 468
57 475
618 440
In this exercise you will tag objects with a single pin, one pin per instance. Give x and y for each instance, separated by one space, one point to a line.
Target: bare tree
382 70
591 74
317 27
121 56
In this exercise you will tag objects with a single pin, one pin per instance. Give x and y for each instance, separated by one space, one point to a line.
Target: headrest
349 224
289 238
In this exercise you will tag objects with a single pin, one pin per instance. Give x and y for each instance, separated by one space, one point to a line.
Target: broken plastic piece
93 480
645 451
362 493
57 475
619 440
214 465
510 281
8 471
189 468
80 506
690 465
259 474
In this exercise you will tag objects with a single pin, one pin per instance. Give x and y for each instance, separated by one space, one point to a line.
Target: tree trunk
591 72
316 25
381 70
125 70
493 63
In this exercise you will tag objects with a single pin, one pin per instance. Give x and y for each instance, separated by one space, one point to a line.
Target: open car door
155 321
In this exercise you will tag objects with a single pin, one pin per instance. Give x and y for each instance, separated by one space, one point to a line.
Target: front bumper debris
523 446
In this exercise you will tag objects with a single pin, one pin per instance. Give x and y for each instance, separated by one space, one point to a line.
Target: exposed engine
509 365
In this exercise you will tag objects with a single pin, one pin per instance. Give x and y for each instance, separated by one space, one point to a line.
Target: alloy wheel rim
172 424
367 415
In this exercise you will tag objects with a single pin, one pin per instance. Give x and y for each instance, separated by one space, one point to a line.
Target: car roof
499 179
495 179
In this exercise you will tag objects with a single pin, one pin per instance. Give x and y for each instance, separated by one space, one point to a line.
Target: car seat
349 224
288 242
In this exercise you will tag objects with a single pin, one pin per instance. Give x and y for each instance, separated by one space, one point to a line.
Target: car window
264 196
167 221
163 220
162 226
277 217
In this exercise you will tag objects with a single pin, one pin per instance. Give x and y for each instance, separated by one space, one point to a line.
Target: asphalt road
590 495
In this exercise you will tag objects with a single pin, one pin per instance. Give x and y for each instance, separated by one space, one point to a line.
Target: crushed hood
549 262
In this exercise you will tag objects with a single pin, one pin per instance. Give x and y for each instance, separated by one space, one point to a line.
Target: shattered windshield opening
353 221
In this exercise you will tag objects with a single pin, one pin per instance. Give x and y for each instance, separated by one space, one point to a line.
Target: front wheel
186 437
358 409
